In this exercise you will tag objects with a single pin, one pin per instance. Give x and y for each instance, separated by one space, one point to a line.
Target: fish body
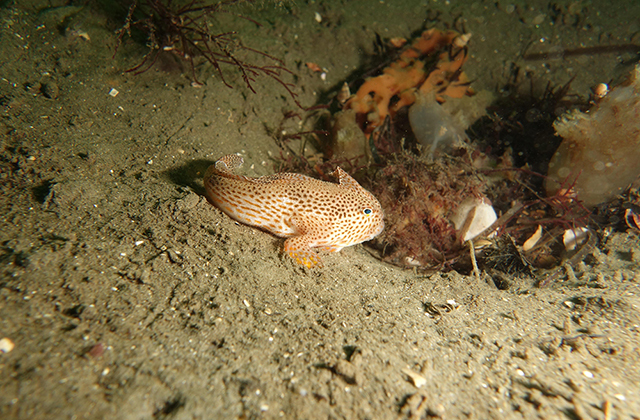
309 212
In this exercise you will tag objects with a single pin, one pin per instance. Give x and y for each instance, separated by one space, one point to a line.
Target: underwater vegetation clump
421 199
187 30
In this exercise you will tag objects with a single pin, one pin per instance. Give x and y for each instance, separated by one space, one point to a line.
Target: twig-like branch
184 31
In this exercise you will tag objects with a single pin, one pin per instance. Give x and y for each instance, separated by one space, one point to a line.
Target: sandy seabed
128 296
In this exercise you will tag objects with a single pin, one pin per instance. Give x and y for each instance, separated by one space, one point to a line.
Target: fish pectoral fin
332 248
298 248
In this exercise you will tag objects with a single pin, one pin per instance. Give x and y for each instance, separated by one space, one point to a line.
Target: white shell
533 239
483 216
574 237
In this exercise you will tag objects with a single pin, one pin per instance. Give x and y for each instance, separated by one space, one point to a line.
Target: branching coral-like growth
184 29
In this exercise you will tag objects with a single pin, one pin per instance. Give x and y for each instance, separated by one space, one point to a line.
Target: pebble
97 350
50 90
189 202
348 372
538 19
6 345
418 380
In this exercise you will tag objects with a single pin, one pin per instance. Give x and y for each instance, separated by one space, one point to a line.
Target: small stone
347 370
189 202
437 410
174 256
538 19
97 350
6 345
50 90
418 380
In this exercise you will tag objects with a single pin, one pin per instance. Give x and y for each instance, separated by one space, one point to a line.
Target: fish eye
367 211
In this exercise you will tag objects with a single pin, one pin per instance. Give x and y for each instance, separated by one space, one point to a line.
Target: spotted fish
309 212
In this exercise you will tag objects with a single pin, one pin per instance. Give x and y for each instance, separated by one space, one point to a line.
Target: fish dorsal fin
229 163
345 180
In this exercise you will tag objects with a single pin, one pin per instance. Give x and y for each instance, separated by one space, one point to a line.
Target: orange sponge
372 102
